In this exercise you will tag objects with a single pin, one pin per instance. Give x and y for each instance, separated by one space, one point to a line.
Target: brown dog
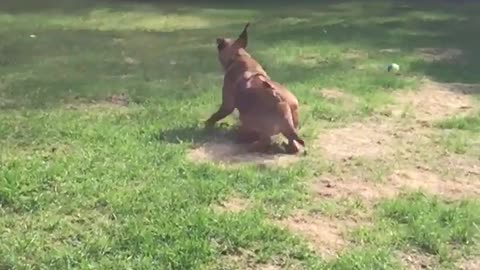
239 67
266 113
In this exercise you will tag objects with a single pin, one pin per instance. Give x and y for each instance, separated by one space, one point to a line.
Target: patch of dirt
291 20
434 101
390 50
432 183
402 143
352 54
229 153
129 60
6 102
79 103
232 205
439 54
121 100
400 180
337 95
313 59
397 182
376 138
332 93
239 262
470 264
461 166
326 235
357 140
415 260
337 188
243 259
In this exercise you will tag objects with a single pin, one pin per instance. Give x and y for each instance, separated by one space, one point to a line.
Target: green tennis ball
393 67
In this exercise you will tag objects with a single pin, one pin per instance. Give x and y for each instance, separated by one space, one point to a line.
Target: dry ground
396 142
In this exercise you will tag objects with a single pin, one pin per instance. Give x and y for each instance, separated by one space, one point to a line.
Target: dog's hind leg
245 135
288 129
292 147
294 111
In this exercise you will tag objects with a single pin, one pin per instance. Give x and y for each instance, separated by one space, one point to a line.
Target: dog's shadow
195 134
218 143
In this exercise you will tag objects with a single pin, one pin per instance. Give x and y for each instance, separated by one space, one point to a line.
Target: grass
422 223
470 123
433 225
89 184
461 134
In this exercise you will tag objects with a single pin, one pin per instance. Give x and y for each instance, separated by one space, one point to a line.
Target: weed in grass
469 123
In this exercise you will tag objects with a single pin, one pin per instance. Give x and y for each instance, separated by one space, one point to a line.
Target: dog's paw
224 125
208 124
292 148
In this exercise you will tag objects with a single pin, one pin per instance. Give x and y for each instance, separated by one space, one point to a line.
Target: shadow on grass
182 64
218 140
196 134
94 65
146 66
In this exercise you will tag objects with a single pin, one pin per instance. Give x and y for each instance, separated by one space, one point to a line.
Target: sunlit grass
89 183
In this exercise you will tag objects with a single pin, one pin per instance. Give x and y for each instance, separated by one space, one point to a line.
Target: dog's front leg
222 112
227 107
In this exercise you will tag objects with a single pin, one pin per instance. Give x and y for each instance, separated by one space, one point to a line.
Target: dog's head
228 48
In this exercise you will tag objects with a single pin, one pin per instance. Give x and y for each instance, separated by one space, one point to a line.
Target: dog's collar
232 60
234 57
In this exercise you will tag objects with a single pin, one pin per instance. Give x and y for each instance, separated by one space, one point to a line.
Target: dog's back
242 67
263 109
255 95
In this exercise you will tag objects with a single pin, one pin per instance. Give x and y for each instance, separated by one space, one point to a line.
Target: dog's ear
242 39
221 43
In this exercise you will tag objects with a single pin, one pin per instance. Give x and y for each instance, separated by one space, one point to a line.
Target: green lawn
90 181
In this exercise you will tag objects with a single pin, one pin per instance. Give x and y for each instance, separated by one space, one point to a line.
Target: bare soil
381 136
335 94
244 261
439 54
432 54
233 204
470 264
415 260
434 101
230 153
368 139
325 235
399 181
399 142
